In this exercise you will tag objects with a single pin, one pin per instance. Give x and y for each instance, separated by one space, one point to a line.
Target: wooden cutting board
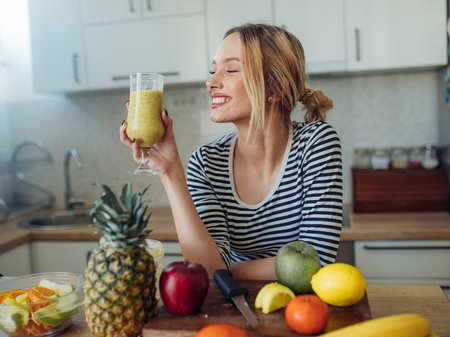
217 310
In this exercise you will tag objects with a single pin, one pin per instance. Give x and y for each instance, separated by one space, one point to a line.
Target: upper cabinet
57 46
96 44
395 34
319 24
109 11
223 15
173 46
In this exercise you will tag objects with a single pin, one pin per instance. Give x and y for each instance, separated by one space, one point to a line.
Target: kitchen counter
426 300
361 226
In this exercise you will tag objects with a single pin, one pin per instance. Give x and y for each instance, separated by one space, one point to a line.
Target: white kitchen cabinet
172 252
71 256
16 261
223 15
320 26
58 58
173 46
395 34
404 261
68 256
110 11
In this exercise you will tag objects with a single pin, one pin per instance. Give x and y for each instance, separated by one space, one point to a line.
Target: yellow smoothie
144 121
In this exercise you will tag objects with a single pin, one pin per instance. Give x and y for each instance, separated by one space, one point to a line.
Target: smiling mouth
218 101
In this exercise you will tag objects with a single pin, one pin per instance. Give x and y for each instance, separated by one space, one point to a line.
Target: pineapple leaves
122 225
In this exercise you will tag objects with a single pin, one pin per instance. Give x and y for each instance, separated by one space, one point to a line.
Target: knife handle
227 284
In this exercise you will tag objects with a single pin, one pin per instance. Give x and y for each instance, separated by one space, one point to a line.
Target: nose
214 81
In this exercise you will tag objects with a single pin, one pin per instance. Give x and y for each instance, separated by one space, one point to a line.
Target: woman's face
226 87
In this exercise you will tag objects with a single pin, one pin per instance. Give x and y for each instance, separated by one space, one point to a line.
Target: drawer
408 262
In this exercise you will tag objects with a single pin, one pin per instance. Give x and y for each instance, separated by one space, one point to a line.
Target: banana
403 325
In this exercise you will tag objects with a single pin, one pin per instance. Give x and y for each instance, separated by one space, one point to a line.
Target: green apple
295 264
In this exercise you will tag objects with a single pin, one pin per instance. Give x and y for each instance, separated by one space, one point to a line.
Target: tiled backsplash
370 111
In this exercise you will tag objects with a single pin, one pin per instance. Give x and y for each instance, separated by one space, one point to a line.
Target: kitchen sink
57 220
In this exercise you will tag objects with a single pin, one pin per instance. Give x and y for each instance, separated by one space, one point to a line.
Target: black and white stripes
305 203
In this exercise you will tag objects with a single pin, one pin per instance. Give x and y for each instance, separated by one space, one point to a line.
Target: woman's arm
261 269
195 241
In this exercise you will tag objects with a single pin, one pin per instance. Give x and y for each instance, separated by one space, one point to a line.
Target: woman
273 181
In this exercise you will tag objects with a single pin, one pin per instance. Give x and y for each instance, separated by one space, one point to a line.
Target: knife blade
233 292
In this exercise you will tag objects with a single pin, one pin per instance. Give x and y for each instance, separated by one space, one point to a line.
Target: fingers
168 122
123 135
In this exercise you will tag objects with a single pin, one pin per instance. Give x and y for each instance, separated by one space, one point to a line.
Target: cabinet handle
126 77
120 78
149 5
131 6
76 76
368 247
358 44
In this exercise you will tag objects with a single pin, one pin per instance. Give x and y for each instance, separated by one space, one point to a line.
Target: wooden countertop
427 300
362 226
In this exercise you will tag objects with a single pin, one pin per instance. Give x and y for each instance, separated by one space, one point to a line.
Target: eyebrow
228 59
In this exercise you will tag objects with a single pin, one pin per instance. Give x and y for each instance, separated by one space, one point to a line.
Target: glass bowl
40 304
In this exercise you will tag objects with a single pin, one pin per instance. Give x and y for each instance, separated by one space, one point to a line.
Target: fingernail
134 140
123 122
166 112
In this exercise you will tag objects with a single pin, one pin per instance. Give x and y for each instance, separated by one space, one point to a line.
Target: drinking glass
144 123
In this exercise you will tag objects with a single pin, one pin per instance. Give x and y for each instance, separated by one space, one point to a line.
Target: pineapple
120 289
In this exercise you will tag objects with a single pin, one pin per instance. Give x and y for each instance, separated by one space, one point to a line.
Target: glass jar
430 157
416 157
399 158
156 250
380 159
361 158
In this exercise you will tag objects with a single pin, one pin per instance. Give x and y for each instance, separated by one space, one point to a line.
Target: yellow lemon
339 284
273 296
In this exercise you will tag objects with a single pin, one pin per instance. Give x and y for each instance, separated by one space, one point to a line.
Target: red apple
183 286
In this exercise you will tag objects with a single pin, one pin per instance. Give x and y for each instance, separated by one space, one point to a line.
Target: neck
266 150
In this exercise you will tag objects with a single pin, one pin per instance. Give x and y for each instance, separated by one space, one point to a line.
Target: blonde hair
274 73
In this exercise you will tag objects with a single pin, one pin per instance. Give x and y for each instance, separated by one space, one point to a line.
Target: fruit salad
38 310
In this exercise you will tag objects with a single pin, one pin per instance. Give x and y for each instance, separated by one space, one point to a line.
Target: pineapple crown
121 224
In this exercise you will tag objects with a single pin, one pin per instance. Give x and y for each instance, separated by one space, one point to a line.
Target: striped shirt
304 204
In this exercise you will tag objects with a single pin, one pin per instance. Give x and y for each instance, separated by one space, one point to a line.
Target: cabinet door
389 34
16 261
68 256
102 11
223 15
155 8
58 58
174 47
319 24
401 261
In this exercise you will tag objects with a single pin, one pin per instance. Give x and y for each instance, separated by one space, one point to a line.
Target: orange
11 294
307 314
40 295
3 295
221 330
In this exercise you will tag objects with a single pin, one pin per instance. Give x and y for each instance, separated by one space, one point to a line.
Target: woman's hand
162 155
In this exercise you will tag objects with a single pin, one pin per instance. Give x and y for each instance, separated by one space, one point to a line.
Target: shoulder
216 150
314 132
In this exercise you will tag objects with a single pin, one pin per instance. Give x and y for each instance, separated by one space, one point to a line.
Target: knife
233 292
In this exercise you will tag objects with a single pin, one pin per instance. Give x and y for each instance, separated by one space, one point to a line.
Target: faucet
72 201
17 164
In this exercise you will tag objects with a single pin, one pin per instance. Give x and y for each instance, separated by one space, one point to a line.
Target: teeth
219 100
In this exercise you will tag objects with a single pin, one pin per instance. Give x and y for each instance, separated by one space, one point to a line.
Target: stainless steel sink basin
57 220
